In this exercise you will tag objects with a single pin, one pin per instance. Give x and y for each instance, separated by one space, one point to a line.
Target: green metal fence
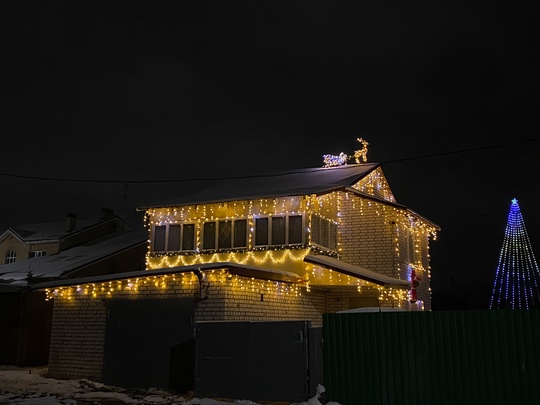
438 357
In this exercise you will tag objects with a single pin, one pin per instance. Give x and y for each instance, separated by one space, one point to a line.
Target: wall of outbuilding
80 318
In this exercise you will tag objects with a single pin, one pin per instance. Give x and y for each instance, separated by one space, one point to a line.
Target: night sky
99 95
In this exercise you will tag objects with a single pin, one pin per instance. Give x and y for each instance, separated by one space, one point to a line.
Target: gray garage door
261 361
149 343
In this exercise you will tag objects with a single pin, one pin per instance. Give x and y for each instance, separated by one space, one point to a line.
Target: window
261 231
188 237
173 242
11 256
225 234
160 232
296 230
279 230
174 237
37 253
411 249
240 233
209 235
324 232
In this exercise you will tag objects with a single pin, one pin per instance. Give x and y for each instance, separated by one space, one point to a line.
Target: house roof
357 271
54 231
277 184
234 268
62 263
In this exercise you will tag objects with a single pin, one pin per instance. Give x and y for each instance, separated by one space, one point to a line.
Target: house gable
375 184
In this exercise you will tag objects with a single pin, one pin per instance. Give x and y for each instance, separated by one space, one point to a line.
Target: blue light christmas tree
517 279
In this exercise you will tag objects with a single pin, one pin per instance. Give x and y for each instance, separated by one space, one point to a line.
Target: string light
329 207
517 278
165 282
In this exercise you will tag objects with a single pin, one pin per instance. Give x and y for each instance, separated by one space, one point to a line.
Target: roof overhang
357 271
233 268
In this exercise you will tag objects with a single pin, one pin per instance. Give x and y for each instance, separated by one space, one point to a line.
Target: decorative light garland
165 282
328 206
517 278
359 156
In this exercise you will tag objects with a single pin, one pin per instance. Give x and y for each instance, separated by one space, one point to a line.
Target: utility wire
20 176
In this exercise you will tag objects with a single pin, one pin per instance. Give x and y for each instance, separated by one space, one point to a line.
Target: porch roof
234 268
357 271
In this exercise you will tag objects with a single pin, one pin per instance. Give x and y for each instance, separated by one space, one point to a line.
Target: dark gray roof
54 231
278 184
61 263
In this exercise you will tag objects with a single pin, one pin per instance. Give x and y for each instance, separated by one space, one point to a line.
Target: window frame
412 255
286 230
166 237
36 253
232 234
325 233
11 256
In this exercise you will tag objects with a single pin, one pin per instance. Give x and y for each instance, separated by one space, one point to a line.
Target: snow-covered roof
54 231
356 271
234 268
63 262
277 184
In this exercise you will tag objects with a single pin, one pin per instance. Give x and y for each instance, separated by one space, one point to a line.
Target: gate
149 343
261 361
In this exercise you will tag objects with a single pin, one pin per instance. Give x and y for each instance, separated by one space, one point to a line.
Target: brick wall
77 339
376 236
79 320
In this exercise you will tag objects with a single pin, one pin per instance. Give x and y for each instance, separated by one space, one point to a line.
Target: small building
55 251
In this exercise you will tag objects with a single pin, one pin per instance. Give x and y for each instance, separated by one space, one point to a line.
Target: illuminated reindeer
362 153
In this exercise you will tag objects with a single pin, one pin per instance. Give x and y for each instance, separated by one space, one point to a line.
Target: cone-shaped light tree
517 279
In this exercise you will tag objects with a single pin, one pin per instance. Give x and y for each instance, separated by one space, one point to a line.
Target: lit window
11 256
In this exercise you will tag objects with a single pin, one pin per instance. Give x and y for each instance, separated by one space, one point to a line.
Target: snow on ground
31 386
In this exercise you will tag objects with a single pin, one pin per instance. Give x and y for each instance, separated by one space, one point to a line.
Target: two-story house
34 240
334 227
289 245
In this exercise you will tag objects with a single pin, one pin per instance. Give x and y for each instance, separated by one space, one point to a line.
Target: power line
20 176
462 151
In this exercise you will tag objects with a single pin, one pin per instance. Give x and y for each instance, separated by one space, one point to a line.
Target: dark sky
133 91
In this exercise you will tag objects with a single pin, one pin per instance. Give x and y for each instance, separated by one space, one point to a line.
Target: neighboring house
28 241
284 246
97 246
